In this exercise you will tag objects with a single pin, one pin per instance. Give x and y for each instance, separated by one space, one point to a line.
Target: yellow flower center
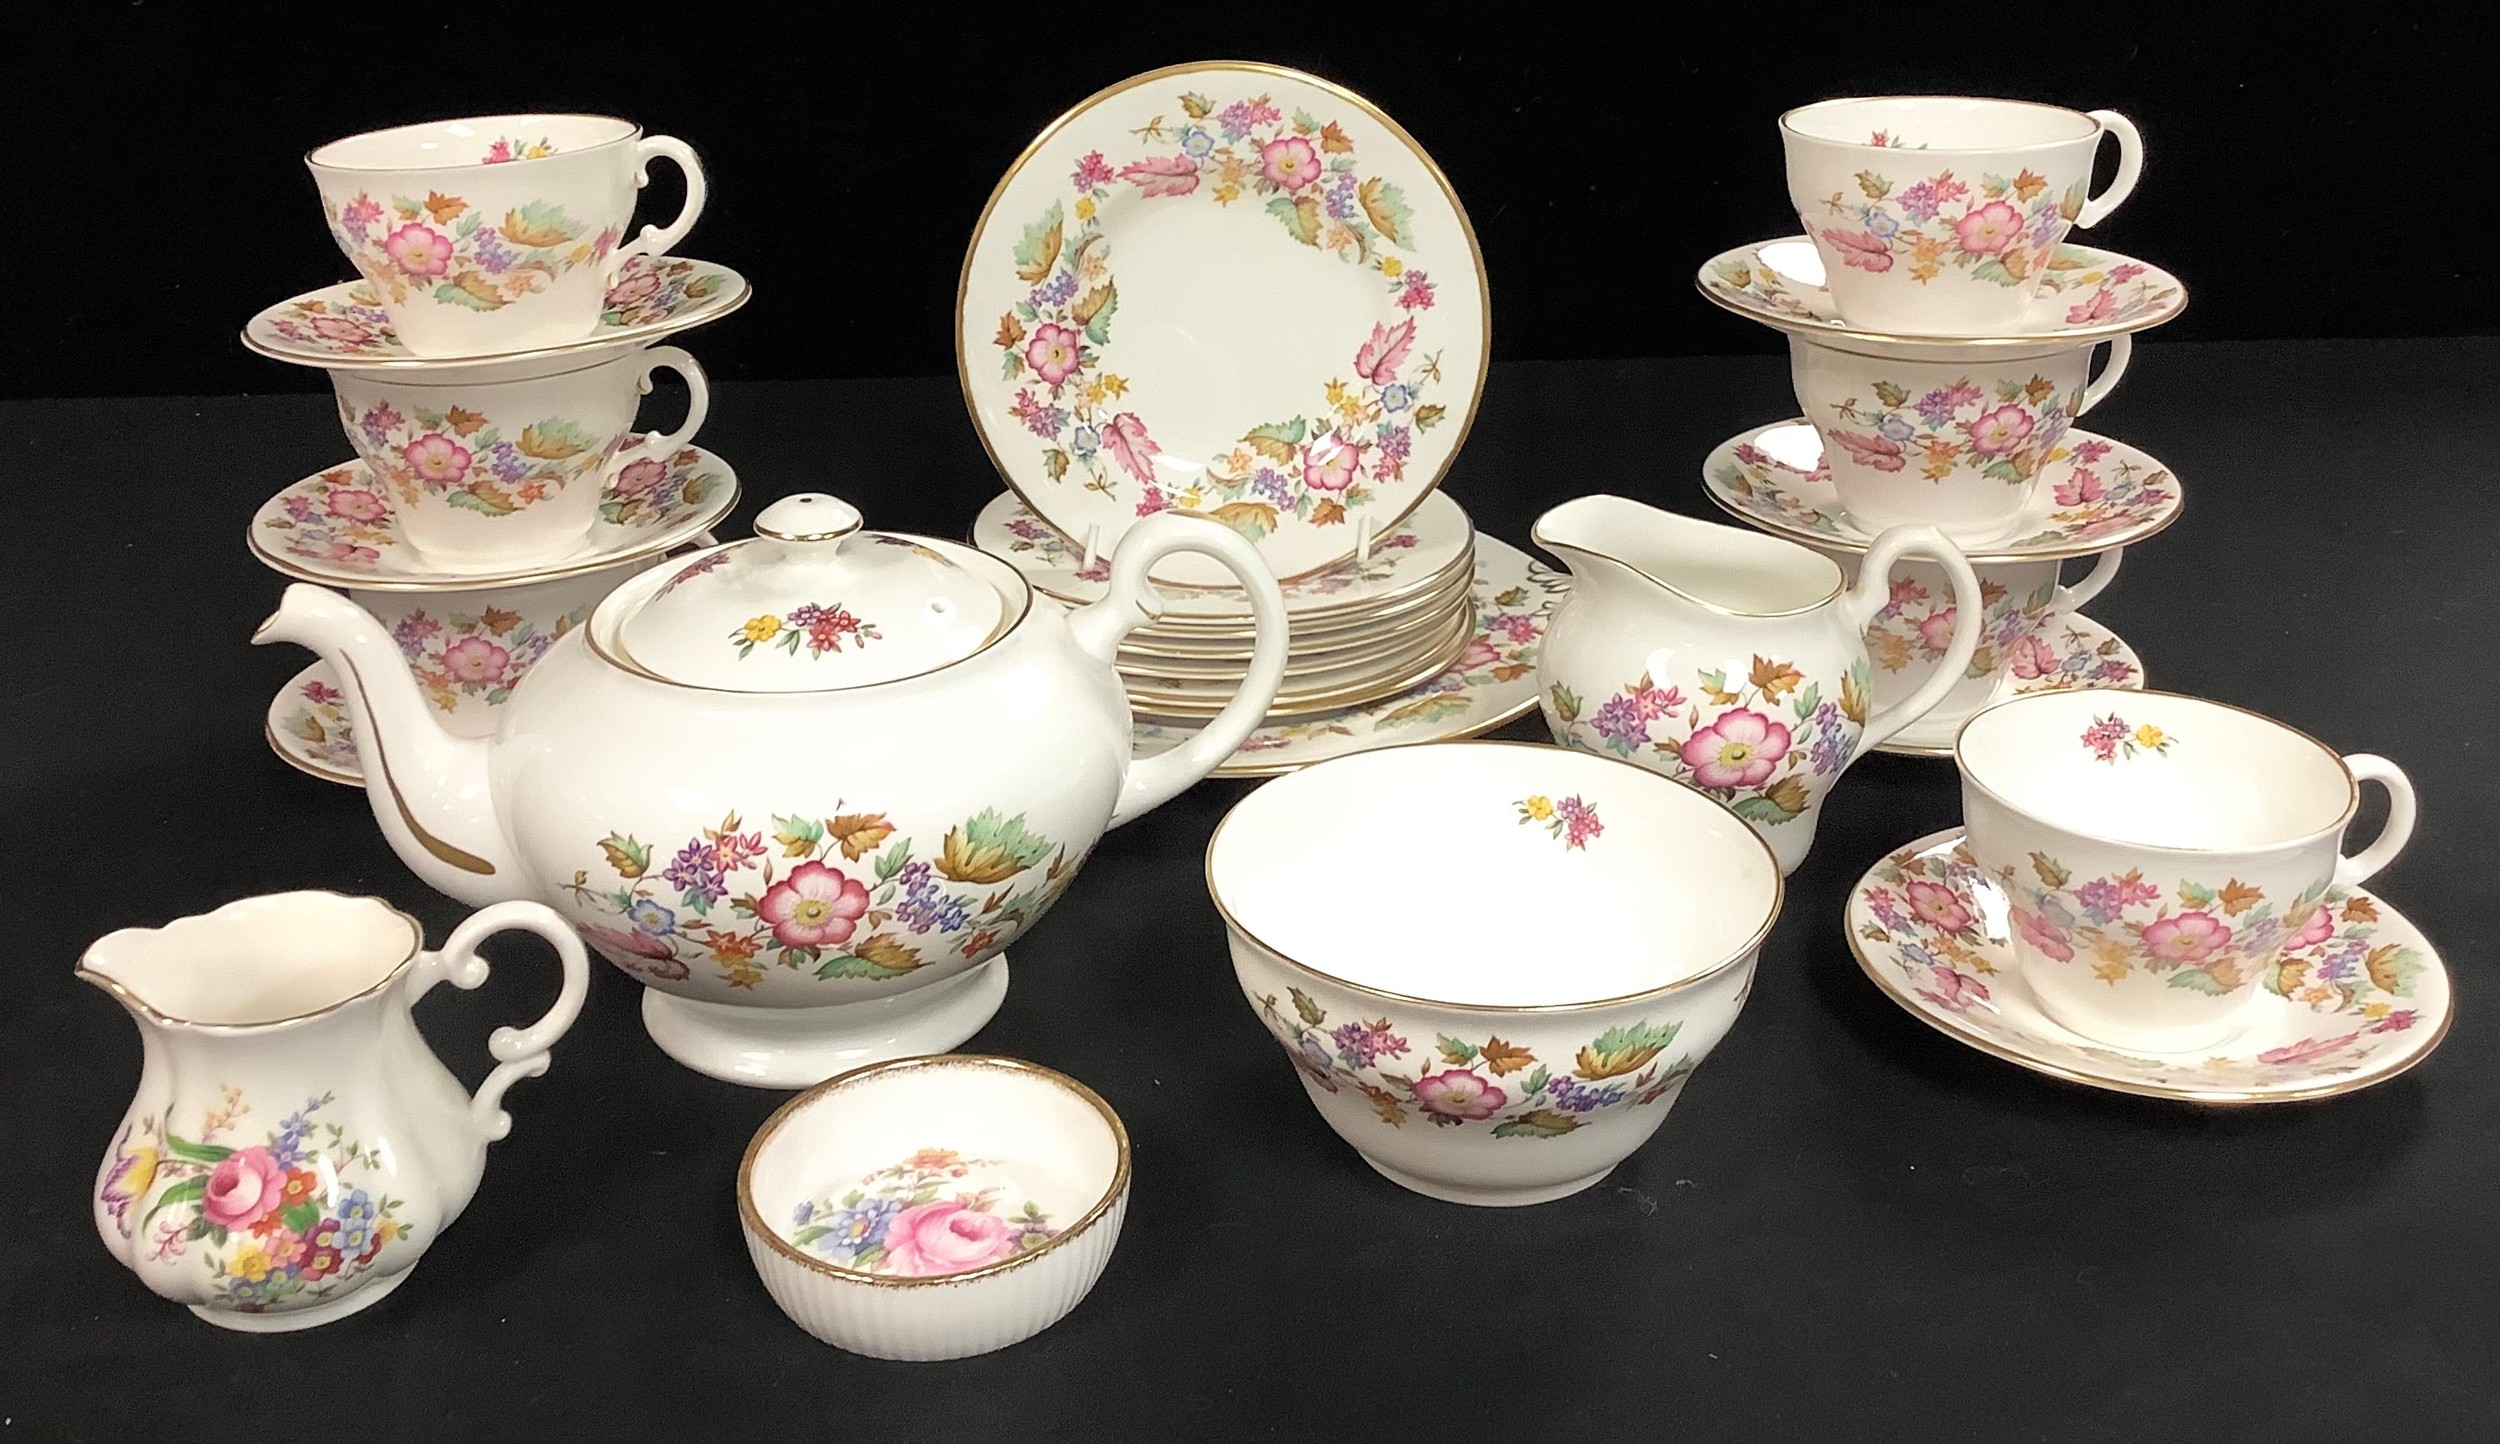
811 912
1735 754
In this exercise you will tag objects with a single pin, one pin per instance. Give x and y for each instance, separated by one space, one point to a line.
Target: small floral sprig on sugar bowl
903 1221
2110 738
1461 1082
1570 819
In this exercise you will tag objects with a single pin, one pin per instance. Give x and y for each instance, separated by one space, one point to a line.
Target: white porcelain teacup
1936 214
2026 603
482 472
496 234
2159 854
1961 446
1494 964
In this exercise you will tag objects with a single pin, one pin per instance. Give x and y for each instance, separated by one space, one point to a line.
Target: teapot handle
519 1053
1874 588
1131 601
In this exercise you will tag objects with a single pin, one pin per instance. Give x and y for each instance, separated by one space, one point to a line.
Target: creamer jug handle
519 1052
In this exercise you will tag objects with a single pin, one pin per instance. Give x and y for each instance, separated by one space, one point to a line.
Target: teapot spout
429 789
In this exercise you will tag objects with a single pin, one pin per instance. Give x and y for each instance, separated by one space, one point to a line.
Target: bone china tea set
1223 550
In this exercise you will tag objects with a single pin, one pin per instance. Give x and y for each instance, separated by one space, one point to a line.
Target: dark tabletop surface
1851 1226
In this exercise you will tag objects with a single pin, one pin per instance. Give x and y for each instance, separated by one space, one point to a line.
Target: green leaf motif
466 500
1386 207
894 859
848 966
798 836
1428 417
2197 894
1308 1011
809 1234
451 295
2197 980
1808 700
300 1217
196 1152
991 848
1994 272
1566 703
187 1191
539 225
1098 329
1891 394
1453 1050
1039 246
1301 217
1762 810
1618 1051
1537 1081
1436 708
1541 1123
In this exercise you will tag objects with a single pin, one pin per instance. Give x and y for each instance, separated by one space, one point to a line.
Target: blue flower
1896 426
651 918
1196 143
358 1207
1395 398
860 1227
1087 441
801 1214
1573 1096
1881 223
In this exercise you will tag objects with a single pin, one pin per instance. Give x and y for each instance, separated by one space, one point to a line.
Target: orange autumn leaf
1774 679
1505 1058
444 209
2237 897
859 833
2027 185
2360 910
1010 330
1333 139
462 421
498 621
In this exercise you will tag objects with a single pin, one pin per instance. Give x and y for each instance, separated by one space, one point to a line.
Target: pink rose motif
1956 992
245 1186
1328 464
418 249
633 288
2001 431
945 1238
437 458
2100 307
322 693
814 907
2308 1050
1456 1093
1935 630
1880 453
1739 749
1862 249
641 478
1289 161
1053 353
1479 653
2032 659
356 504
1937 906
477 660
637 952
343 329
2319 928
2037 931
2081 488
1989 229
349 552
2189 938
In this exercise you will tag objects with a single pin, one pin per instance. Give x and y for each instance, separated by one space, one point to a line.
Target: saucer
2356 1009
343 327
1423 551
2110 495
337 529
2090 657
308 727
1228 288
2088 295
1493 681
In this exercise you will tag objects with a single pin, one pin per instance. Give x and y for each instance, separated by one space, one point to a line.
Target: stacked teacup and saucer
1941 332
489 367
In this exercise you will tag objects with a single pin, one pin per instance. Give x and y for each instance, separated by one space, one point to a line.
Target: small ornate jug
294 1145
1733 662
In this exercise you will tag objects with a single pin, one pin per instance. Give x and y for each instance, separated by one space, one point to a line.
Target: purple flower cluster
412 632
2100 901
379 422
1832 743
1396 442
696 871
506 461
1271 483
1341 196
1619 721
293 1129
1919 201
1363 1044
1046 421
2338 964
1240 117
1055 290
493 257
1937 407
925 905
1573 1096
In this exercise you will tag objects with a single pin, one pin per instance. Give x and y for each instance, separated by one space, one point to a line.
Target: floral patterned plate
1226 288
343 327
336 527
1492 682
2355 1008
2088 657
2107 494
1431 546
308 727
2087 295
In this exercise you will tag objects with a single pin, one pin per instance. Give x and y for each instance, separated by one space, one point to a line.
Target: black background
1850 1227
2306 181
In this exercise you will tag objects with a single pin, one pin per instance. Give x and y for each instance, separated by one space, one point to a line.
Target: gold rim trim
442 852
633 132
659 544
1010 620
1852 546
1466 229
1817 330
2204 1097
1405 635
2094 134
757 1228
626 338
1350 610
1840 579
1289 708
303 765
2352 784
131 1000
1751 946
1504 718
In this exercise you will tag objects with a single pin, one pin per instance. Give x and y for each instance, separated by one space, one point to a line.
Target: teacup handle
698 406
2094 582
519 1053
1130 601
2361 866
2130 165
2121 351
1874 589
656 240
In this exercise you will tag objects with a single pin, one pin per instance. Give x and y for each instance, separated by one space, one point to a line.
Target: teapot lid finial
812 602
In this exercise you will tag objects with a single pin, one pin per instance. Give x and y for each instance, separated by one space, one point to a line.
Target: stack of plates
1369 629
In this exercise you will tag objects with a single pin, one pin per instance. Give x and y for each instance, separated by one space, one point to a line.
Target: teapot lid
810 603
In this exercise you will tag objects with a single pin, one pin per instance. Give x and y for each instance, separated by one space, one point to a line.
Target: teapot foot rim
789 1048
294 1320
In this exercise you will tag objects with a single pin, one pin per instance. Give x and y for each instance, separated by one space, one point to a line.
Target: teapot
293 1146
1734 662
805 787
